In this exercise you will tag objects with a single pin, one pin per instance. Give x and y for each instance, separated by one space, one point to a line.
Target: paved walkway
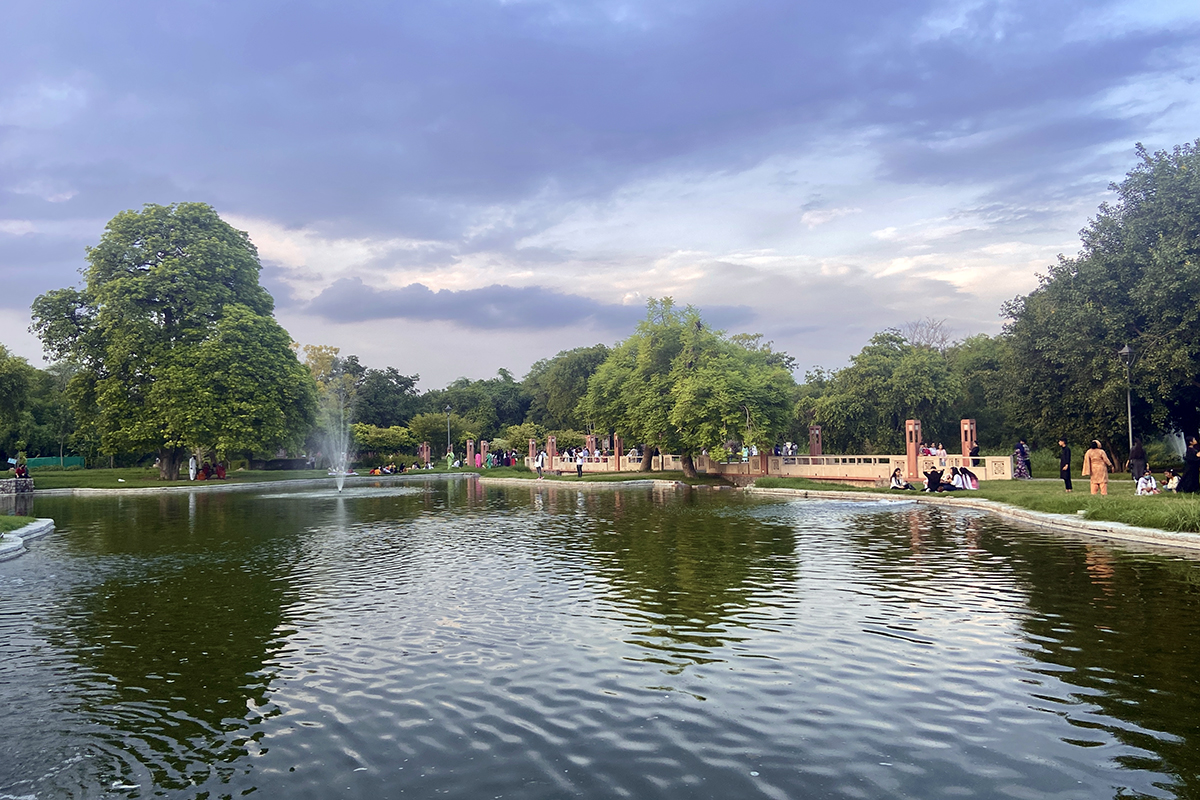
12 544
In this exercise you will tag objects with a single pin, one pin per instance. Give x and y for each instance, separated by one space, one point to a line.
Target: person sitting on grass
898 481
1146 484
1170 480
970 480
933 480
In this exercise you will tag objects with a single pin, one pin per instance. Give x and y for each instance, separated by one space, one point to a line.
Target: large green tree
1136 281
556 385
175 340
862 408
679 386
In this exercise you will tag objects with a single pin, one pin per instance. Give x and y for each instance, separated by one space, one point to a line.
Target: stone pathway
12 544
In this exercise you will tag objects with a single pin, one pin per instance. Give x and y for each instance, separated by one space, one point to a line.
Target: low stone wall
16 485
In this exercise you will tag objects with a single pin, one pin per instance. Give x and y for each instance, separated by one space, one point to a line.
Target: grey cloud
495 307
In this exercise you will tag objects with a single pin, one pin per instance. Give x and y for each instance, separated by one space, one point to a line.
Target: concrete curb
13 543
534 482
205 486
1117 531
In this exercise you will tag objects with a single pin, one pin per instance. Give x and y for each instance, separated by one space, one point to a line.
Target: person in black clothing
1064 463
974 455
1190 482
1137 459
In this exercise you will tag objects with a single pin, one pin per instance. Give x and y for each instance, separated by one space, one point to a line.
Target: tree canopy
175 341
1136 281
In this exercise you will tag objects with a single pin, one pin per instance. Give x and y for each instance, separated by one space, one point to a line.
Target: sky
453 187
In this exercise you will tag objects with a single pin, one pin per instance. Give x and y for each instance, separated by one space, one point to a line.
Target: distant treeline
674 384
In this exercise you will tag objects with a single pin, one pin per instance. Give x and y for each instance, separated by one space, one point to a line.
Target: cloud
495 307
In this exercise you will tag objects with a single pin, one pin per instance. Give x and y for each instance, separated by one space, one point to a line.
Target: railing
851 468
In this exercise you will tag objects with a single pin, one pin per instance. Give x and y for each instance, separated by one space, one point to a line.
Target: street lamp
1126 354
447 428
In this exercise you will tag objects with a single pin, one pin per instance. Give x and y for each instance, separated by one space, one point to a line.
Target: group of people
961 478
494 458
1097 466
205 471
388 469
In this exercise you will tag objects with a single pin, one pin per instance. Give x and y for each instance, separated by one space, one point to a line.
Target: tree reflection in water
1118 625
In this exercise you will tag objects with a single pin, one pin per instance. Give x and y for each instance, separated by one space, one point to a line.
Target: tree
863 407
1135 281
15 376
374 439
556 385
175 342
385 398
431 427
679 386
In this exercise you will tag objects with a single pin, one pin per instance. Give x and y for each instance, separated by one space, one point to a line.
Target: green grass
603 477
1168 512
12 523
134 477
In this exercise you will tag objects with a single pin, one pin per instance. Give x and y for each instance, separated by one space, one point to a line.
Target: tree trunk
689 466
169 459
647 458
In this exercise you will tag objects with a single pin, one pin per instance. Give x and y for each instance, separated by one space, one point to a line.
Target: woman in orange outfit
1096 465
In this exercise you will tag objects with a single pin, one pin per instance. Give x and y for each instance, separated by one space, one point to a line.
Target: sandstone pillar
912 444
814 440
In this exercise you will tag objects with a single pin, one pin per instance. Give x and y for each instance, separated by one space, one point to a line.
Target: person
579 462
898 481
192 468
539 462
1064 463
933 480
1020 464
1189 482
973 453
970 479
1146 484
1137 459
956 479
1024 448
1170 481
1096 465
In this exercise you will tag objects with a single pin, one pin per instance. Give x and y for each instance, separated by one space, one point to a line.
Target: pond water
448 639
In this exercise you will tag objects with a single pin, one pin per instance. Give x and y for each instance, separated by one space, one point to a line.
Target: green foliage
371 438
518 436
677 385
168 289
862 408
1136 281
431 427
386 398
556 385
487 406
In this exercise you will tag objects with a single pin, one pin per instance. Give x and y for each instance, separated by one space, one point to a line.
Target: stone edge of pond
204 486
1102 529
639 483
12 544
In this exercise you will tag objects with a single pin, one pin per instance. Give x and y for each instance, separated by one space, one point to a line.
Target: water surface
446 639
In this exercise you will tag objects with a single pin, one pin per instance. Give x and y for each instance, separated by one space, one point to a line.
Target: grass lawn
1168 512
12 523
134 477
605 477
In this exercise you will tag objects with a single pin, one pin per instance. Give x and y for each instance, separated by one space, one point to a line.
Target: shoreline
1100 529
13 542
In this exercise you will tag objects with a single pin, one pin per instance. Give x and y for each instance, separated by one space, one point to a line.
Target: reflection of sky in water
545 642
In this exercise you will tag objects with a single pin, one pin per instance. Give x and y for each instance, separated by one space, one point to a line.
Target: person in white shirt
579 458
1146 484
540 463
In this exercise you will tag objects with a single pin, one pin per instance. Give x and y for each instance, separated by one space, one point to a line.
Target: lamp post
1126 354
448 427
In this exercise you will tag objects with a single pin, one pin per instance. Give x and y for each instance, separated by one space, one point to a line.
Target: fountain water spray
335 426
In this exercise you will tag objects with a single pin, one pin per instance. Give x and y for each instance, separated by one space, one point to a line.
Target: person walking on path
540 463
1190 482
579 462
1096 465
1064 463
1024 448
1137 459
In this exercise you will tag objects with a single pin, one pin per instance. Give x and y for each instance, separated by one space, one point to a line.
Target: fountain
335 426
